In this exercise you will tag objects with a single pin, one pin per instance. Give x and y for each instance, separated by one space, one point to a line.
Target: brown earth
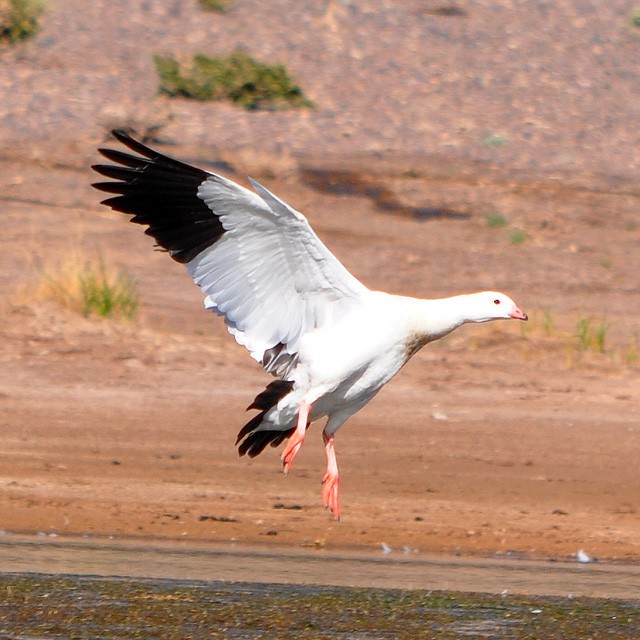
501 438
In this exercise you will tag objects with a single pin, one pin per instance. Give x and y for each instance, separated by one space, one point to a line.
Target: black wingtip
160 193
120 134
131 143
110 187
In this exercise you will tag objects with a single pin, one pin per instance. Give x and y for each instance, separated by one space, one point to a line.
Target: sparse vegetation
495 140
634 18
631 355
496 220
19 19
586 336
548 322
236 77
446 10
92 290
590 337
600 337
219 6
105 297
518 236
583 330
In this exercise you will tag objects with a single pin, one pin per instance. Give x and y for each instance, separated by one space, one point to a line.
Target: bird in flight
330 341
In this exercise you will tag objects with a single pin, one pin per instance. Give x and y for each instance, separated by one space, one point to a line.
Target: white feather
286 298
270 276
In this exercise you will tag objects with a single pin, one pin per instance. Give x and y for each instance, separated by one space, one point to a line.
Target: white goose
331 342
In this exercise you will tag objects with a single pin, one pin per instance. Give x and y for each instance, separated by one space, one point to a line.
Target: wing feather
256 259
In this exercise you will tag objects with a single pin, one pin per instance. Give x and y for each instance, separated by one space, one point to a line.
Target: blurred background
546 88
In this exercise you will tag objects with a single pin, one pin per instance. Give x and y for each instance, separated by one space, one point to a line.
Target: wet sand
393 570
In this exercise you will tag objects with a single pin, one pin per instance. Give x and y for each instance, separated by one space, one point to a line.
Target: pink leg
297 437
331 480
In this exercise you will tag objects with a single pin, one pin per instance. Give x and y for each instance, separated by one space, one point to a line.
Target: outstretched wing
258 260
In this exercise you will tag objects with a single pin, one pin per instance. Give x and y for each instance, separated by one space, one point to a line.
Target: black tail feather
253 441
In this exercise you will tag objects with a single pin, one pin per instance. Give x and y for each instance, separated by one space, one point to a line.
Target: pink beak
516 314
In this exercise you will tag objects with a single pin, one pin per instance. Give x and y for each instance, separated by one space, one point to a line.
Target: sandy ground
502 438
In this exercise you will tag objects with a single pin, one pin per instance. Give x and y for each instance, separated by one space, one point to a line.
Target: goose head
492 305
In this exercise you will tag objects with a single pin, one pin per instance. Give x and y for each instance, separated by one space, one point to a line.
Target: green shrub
590 337
518 236
631 355
19 19
92 290
548 323
219 6
106 297
495 220
237 77
495 140
634 18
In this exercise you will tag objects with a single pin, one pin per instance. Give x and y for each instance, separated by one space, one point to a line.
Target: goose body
330 342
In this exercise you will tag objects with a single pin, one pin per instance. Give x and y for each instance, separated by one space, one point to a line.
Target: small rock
583 556
202 518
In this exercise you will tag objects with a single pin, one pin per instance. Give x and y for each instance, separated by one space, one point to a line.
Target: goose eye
496 301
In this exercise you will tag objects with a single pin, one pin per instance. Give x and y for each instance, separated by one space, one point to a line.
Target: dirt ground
502 438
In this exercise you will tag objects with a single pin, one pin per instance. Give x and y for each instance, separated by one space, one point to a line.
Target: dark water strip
100 557
45 606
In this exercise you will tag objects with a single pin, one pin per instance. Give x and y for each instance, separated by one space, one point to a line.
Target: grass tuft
590 337
634 18
236 77
19 19
495 140
631 354
548 322
518 236
583 332
496 220
104 297
219 6
580 340
92 290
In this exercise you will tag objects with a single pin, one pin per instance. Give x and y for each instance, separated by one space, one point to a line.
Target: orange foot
331 480
330 493
297 437
291 451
